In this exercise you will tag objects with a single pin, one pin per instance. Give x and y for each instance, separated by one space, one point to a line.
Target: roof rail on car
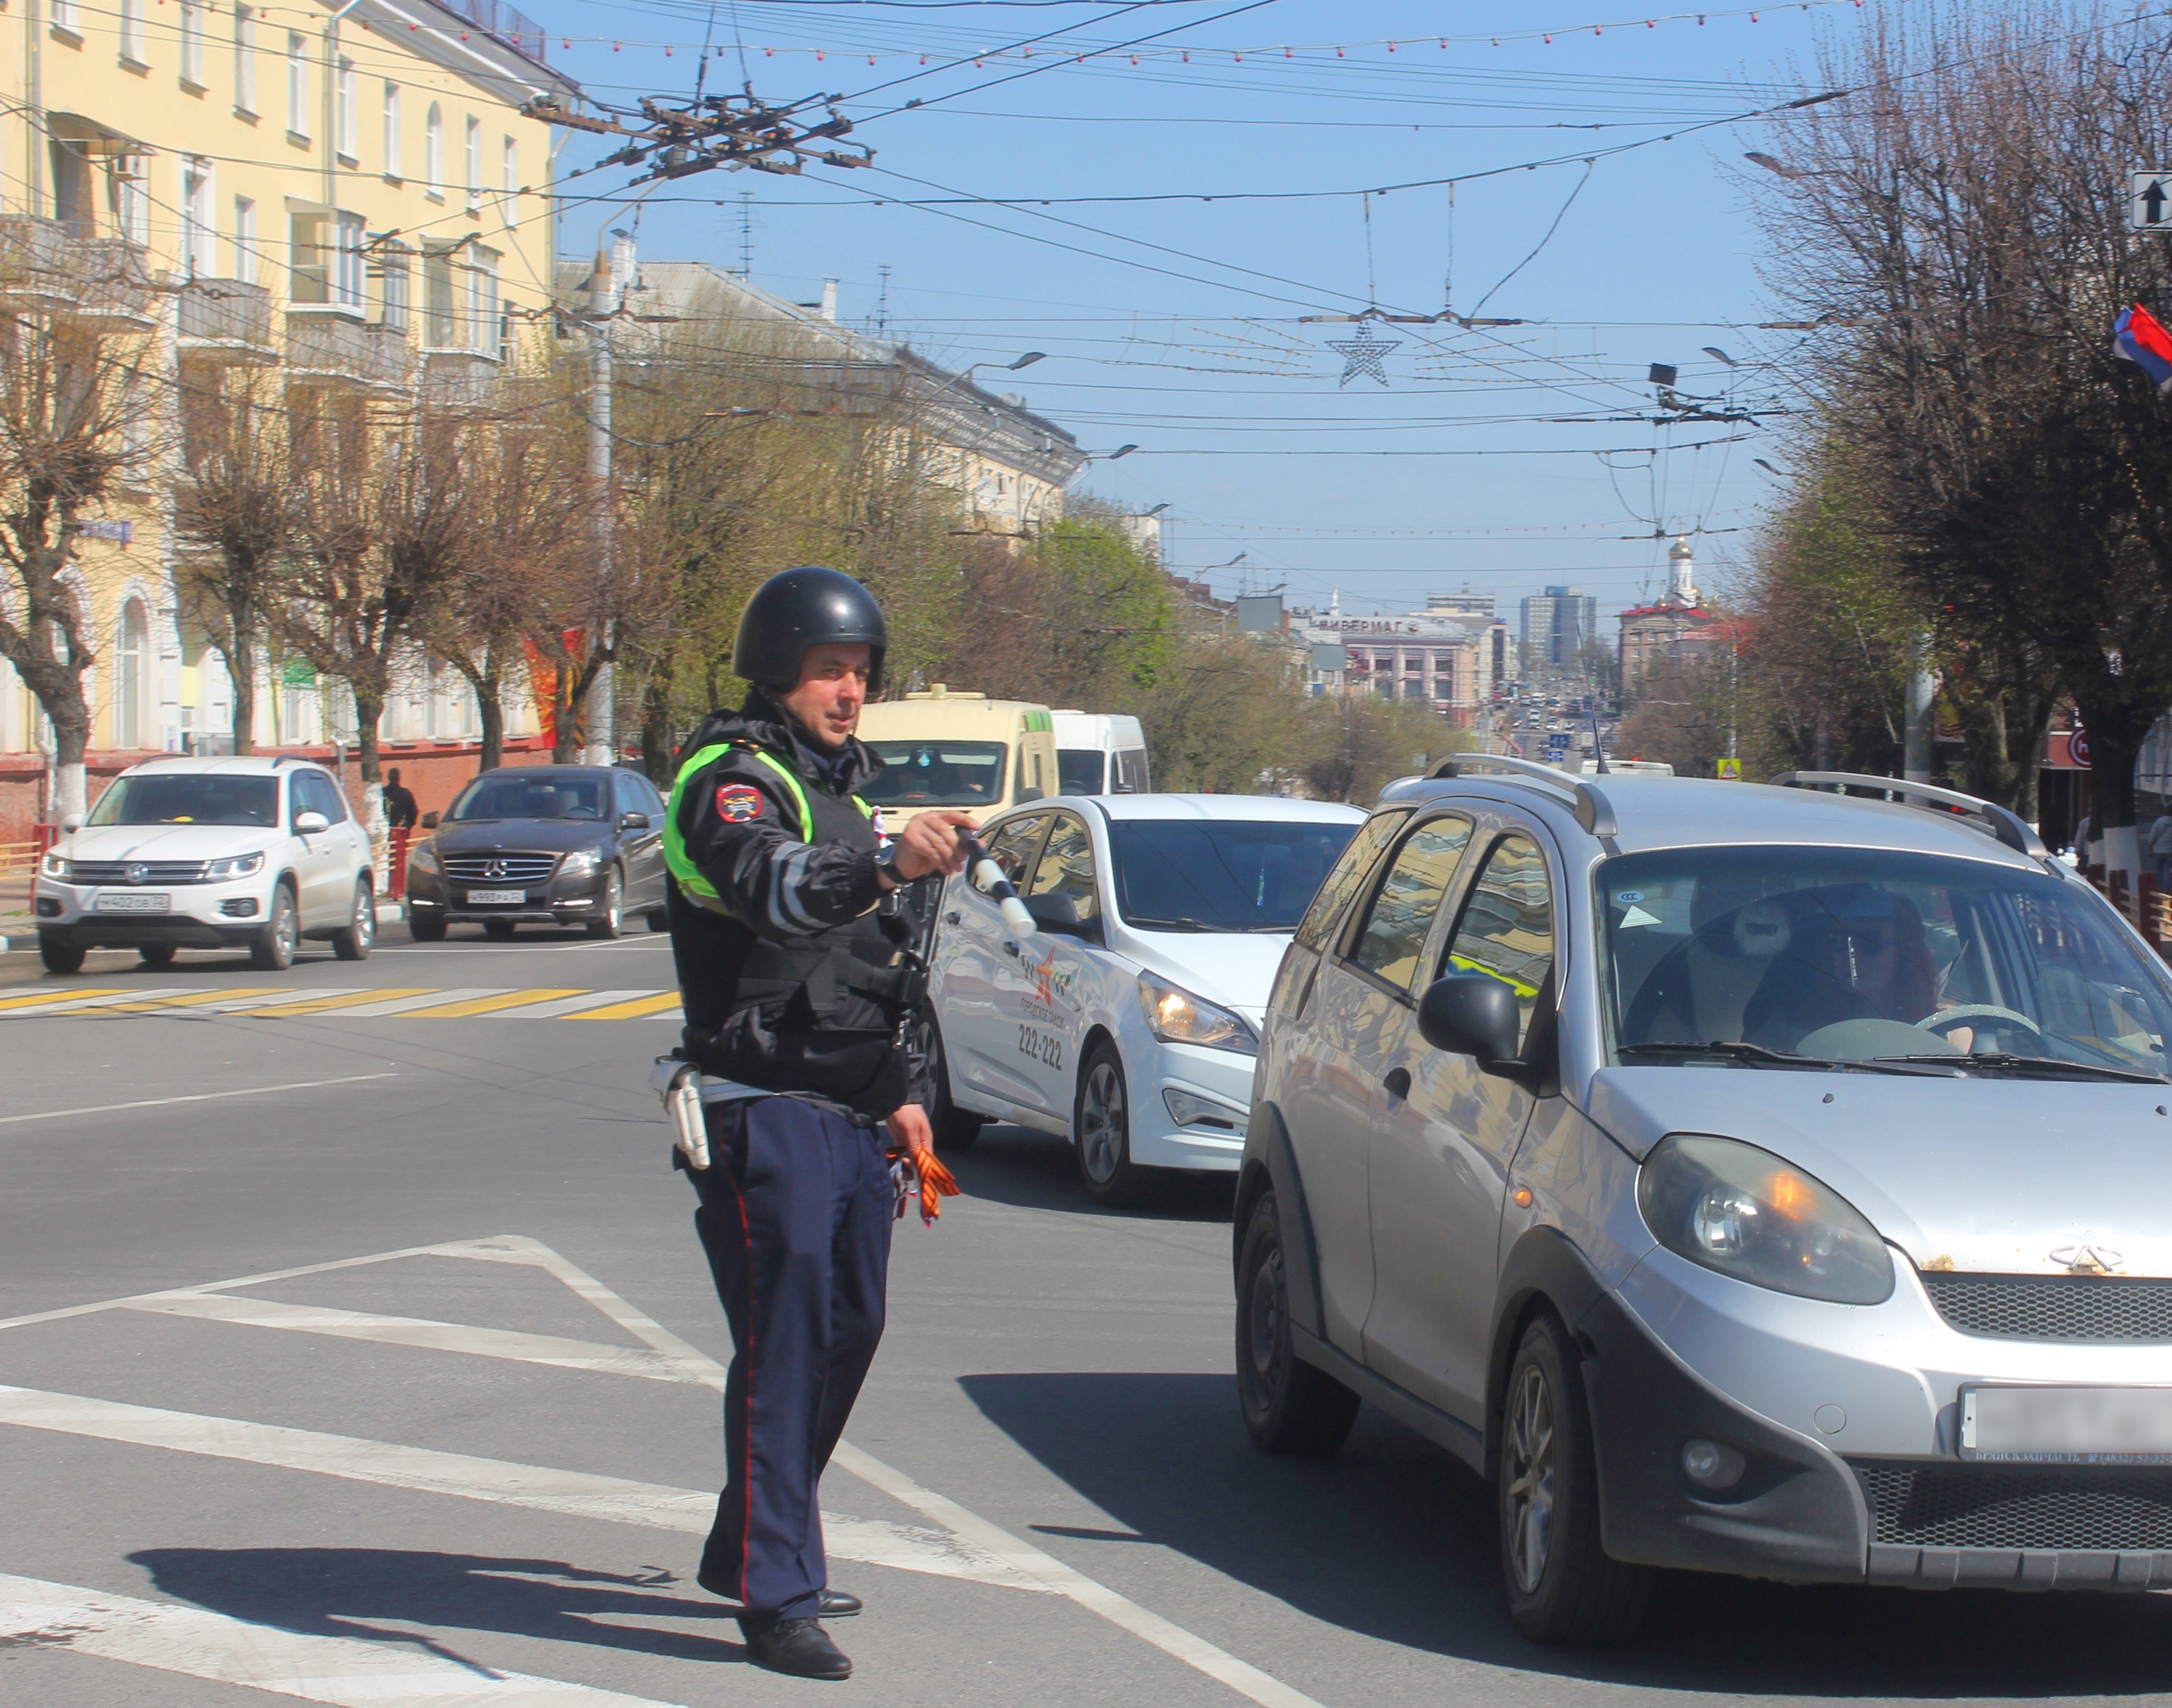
2008 826
1594 812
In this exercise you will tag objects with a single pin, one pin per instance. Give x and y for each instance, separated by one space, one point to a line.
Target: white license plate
134 901
2068 1424
488 896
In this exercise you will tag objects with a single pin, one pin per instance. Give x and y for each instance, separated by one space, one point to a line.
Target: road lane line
167 1637
487 1004
195 1097
1120 1611
320 1003
572 1004
541 1488
400 1005
632 1011
508 1344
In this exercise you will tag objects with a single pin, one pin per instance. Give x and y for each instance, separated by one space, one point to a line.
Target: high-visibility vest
698 888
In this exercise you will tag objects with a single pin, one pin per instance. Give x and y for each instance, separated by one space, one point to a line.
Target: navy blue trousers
796 1213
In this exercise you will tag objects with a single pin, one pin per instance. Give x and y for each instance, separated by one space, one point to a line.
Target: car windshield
1220 874
1804 956
516 797
1078 770
197 799
938 774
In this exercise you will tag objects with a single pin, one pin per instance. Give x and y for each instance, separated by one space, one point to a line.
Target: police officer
791 939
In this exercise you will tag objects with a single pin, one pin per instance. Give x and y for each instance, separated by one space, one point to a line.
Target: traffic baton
988 878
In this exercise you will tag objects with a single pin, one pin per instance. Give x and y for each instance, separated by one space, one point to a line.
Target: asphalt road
397 1383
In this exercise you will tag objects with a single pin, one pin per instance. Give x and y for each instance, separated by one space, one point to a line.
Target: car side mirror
429 822
1474 1015
633 822
1056 910
310 823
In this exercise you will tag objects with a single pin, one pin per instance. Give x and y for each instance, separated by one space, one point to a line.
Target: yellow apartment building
344 195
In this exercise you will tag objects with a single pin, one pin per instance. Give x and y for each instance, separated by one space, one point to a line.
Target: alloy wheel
1264 1342
364 915
1101 1122
1527 1472
286 925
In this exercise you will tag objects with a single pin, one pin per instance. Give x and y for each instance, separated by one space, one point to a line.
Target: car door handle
1398 1082
953 917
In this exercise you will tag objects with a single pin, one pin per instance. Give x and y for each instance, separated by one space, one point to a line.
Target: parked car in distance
555 845
1100 753
945 747
1130 1023
1743 1178
250 853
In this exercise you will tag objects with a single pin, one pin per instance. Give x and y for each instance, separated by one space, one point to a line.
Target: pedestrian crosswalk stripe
348 1002
657 1004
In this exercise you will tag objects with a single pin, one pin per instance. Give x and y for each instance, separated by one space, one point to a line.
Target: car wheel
426 927
58 956
355 942
272 949
955 1129
498 927
1289 1406
1562 1586
609 919
1100 1131
658 919
157 953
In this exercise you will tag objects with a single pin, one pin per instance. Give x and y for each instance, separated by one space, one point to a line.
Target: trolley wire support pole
603 308
735 132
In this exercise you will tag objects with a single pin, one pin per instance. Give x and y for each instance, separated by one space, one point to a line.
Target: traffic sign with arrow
2149 201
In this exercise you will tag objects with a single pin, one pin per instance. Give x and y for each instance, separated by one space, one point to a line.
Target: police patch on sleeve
737 803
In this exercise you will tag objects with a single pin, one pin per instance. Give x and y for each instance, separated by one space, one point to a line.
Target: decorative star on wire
1361 355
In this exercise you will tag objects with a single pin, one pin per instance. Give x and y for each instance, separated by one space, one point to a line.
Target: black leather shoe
800 1647
836 1603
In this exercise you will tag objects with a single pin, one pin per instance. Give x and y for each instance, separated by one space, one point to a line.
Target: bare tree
69 402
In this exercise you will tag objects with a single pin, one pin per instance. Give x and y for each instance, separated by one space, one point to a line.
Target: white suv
209 854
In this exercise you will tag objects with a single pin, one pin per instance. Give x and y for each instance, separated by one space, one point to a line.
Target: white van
1098 753
946 747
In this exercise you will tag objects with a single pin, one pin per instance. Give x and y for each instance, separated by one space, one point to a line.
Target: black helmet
808 607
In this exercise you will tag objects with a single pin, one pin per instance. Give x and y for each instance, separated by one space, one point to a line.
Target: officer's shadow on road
1038 1171
349 1592
1393 1540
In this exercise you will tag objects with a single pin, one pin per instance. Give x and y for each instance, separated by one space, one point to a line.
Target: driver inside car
1860 953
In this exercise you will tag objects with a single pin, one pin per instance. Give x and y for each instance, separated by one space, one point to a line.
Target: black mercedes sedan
557 845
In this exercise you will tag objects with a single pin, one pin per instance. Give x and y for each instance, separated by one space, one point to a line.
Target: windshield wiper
2037 1066
1758 1056
1146 922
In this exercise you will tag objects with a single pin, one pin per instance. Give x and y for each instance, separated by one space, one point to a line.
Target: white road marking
343 1671
415 1332
76 1004
575 1494
571 1005
195 1097
400 1005
307 994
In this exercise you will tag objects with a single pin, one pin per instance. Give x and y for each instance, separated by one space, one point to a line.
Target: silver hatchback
1744 1179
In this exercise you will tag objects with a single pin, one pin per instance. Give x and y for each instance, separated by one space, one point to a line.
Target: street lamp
1121 451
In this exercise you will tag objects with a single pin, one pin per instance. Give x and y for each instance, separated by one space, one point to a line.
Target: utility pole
1916 749
604 284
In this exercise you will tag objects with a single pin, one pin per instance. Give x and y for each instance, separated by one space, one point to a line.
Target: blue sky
1197 349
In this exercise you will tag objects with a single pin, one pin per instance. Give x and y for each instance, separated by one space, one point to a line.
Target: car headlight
423 859
1175 1015
232 866
53 866
1747 1214
579 864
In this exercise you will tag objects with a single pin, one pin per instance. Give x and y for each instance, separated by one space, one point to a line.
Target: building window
391 270
131 207
433 153
347 261
483 301
131 660
199 224
438 329
392 156
297 84
64 16
347 122
309 259
245 60
512 163
244 268
191 42
132 31
474 164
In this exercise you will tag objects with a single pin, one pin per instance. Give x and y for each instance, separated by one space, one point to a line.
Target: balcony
335 354
459 379
224 322
33 264
113 290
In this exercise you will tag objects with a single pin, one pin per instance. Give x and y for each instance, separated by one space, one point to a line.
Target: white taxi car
250 853
1130 1023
